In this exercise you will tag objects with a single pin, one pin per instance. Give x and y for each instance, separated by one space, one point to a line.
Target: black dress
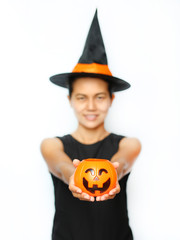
82 220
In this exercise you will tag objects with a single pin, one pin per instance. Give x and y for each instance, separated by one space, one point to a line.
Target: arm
123 160
129 149
61 166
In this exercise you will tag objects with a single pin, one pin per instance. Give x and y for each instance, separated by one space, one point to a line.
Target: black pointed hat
92 63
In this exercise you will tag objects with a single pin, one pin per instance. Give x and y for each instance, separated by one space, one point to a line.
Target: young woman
77 214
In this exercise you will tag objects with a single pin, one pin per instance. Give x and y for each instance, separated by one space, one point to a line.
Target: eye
81 98
100 97
102 170
90 170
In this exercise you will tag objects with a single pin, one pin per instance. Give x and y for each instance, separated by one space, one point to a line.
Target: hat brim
62 80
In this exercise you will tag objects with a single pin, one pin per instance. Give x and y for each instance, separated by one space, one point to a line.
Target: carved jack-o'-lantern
95 176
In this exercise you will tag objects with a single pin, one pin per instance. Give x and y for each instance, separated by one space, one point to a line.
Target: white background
39 38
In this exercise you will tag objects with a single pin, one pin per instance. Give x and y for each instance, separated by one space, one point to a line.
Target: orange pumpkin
95 176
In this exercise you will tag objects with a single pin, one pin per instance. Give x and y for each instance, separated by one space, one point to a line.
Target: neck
90 136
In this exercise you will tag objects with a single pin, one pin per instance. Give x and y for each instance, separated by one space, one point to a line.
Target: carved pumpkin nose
96 178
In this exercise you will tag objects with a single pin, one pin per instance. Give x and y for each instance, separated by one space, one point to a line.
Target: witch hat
92 63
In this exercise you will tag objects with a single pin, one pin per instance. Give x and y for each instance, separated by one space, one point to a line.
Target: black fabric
78 220
63 79
94 50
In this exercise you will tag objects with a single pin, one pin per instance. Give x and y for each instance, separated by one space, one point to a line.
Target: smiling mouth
95 186
90 117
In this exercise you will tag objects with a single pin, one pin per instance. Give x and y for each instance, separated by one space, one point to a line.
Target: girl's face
90 100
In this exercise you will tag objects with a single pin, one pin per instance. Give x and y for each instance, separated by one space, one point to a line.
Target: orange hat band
92 68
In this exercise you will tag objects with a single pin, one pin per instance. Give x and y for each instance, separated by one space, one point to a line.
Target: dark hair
70 87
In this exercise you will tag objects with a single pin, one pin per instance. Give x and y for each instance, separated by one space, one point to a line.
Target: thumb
76 162
115 164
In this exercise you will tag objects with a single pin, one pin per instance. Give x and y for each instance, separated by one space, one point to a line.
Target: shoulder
115 137
127 142
51 144
130 143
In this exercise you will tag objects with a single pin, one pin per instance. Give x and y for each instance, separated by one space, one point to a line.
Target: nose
91 104
96 178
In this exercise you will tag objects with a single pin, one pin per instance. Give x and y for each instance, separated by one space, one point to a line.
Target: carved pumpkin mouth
95 186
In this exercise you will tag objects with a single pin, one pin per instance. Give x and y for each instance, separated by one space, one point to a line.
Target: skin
90 101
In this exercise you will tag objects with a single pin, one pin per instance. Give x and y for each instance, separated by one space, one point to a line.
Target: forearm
59 163
128 151
64 170
123 168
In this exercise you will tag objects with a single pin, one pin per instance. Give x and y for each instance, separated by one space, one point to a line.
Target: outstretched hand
113 191
77 192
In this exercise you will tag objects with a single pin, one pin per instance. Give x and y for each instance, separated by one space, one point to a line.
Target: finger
79 196
83 197
115 164
86 196
74 189
115 190
111 197
92 199
76 162
98 198
102 198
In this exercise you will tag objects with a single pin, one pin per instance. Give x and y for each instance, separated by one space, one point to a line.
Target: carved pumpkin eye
90 170
102 170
